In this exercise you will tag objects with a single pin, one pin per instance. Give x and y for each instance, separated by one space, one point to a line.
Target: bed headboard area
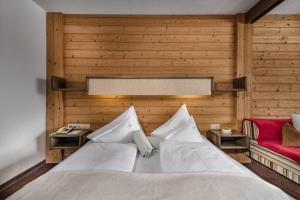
140 46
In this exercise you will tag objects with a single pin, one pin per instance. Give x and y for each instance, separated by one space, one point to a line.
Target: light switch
215 126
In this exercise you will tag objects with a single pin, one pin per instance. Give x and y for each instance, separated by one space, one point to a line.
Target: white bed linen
148 165
187 132
90 185
83 176
188 162
101 156
196 157
108 128
175 122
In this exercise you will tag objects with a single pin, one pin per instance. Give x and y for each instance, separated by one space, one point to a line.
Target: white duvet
100 171
148 165
91 185
196 157
101 156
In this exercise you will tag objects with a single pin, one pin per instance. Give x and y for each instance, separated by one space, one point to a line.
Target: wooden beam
240 68
248 69
55 66
260 9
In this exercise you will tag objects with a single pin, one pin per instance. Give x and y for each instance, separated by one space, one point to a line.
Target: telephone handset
65 129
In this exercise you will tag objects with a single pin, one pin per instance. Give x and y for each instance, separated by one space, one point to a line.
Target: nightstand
73 140
234 144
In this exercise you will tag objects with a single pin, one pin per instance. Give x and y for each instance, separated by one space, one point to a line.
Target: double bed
175 170
173 157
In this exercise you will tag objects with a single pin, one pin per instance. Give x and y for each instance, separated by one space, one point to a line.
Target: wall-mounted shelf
60 84
238 85
229 90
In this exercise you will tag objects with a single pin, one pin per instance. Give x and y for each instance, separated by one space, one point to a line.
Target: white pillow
155 140
142 143
296 121
130 112
188 133
122 133
177 120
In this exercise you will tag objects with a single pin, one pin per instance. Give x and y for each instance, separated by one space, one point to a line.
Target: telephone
65 129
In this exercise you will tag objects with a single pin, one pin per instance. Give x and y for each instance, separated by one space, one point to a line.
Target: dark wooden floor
270 176
19 181
291 188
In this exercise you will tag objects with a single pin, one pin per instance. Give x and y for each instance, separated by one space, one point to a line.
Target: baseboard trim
14 184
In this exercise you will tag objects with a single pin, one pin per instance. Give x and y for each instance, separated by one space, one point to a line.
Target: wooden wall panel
55 66
154 46
276 67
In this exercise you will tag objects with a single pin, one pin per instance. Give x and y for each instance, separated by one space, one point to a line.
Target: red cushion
269 129
289 152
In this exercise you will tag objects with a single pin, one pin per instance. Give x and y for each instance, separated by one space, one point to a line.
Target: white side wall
162 7
22 86
148 7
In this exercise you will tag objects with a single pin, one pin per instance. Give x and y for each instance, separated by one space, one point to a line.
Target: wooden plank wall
55 66
159 46
276 67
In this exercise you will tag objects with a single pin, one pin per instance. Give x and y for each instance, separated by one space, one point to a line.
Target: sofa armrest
250 129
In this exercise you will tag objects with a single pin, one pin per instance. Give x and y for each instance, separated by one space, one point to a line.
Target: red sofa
270 136
266 146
